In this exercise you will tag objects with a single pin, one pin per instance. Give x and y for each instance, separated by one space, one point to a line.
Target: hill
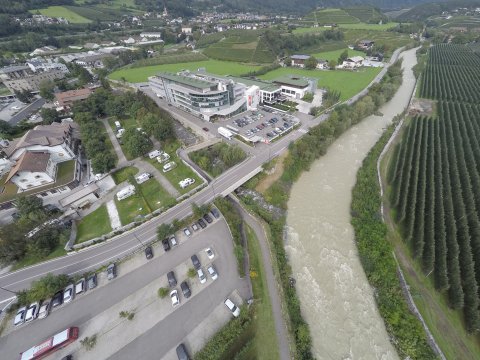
423 11
350 15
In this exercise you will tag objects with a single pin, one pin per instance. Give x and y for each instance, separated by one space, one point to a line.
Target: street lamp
135 235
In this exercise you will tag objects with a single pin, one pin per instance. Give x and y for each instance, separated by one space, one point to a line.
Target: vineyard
435 179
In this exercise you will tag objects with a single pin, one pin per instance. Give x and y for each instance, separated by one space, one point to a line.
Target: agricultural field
335 54
62 11
329 16
435 182
218 67
348 83
365 14
99 13
247 47
374 27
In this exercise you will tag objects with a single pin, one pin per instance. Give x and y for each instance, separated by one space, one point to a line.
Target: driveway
122 160
172 329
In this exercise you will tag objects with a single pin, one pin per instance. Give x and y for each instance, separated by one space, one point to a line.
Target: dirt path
267 181
273 290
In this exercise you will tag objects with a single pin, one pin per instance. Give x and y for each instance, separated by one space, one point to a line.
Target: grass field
335 54
364 26
60 11
348 83
93 225
124 174
213 66
329 16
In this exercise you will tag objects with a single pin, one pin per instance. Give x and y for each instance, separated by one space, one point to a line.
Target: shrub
89 342
163 292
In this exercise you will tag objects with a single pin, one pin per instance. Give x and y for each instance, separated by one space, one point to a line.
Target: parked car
173 241
68 294
174 297
111 271
213 273
182 353
185 290
166 245
92 281
169 166
195 227
201 276
196 262
187 232
205 129
57 299
44 309
20 317
209 253
172 281
148 252
208 218
202 223
232 307
215 213
80 286
32 312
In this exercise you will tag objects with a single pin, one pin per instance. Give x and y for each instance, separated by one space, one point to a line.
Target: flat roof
263 85
186 80
293 81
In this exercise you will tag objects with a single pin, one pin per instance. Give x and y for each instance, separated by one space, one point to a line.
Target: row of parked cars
202 222
41 309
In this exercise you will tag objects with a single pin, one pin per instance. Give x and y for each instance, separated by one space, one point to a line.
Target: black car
202 223
57 299
166 245
208 218
196 262
148 252
215 213
172 281
182 353
92 281
185 289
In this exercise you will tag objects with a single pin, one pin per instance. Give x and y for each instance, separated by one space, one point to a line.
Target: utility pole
135 235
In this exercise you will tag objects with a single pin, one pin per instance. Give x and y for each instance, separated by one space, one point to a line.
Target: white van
153 154
126 192
163 157
120 132
186 182
140 179
117 124
169 166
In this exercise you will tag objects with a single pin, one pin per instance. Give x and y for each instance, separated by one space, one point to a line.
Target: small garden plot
218 158
93 225
132 208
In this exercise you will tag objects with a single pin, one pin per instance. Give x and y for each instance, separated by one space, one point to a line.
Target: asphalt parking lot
262 125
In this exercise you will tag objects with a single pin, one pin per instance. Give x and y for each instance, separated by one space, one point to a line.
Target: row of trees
436 182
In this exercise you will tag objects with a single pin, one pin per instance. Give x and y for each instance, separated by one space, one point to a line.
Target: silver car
44 309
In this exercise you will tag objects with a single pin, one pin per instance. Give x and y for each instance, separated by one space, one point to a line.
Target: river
336 298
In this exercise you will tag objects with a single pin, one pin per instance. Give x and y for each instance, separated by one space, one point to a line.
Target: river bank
336 298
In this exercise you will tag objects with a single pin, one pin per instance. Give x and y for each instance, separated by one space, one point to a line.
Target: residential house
352 63
299 60
366 44
67 98
186 30
151 35
32 169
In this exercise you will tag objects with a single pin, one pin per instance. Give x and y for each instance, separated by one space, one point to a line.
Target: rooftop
9 69
292 81
263 85
300 57
186 80
80 93
30 161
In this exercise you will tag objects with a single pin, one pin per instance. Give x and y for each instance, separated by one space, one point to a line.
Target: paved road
92 258
175 326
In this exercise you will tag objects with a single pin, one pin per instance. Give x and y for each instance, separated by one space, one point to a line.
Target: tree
46 88
332 64
162 292
311 63
30 207
24 96
288 61
103 162
13 243
164 231
199 211
136 143
49 115
47 286
191 273
343 56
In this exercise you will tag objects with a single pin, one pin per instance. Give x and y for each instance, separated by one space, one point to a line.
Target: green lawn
181 172
155 195
265 342
335 54
347 82
93 225
213 66
60 11
130 208
124 174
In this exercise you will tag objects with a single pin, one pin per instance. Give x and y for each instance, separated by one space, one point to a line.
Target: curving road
126 243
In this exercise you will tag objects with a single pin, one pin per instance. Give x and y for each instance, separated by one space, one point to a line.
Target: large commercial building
18 78
211 96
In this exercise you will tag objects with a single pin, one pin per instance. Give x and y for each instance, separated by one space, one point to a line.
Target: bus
233 129
52 344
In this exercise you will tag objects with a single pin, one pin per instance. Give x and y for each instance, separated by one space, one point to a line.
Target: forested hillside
423 11
436 179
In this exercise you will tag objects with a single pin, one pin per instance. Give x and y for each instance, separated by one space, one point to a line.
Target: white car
44 309
187 232
163 157
20 317
232 307
80 286
186 182
213 273
32 312
201 276
210 253
68 294
174 297
169 166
